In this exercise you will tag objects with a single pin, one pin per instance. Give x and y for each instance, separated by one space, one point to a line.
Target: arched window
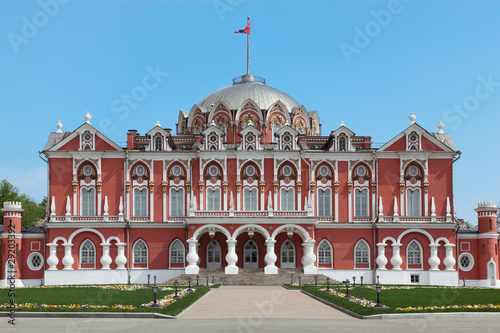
140 202
342 144
413 202
250 199
287 199
324 202
324 253
158 143
177 252
177 202
87 253
414 253
140 252
276 128
222 127
88 202
361 202
362 253
213 199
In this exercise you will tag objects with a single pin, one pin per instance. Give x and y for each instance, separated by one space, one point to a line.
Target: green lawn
93 296
416 297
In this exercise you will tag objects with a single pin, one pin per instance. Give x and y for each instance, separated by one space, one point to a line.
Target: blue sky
368 64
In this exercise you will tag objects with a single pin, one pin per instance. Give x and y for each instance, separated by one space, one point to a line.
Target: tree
32 211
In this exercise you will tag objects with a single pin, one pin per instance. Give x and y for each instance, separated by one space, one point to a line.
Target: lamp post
189 287
315 280
154 279
347 282
299 280
464 281
197 280
41 281
148 279
354 282
176 284
207 281
155 291
361 281
213 279
327 283
291 279
378 289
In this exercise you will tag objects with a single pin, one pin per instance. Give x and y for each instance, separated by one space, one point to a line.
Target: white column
434 259
231 257
121 259
396 259
68 260
105 259
309 257
52 260
449 260
192 258
381 259
270 258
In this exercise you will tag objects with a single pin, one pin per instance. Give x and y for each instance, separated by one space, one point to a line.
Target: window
35 261
361 253
413 171
324 253
250 170
490 225
213 170
177 202
414 253
324 170
415 278
140 170
213 199
87 253
140 252
361 202
287 170
177 252
342 144
176 170
276 128
158 143
465 262
222 127
484 249
413 202
287 199
250 199
88 201
361 171
140 202
324 202
87 170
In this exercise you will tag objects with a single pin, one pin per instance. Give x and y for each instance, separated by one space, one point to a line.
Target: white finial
59 126
448 207
433 207
53 207
342 124
441 126
213 123
87 117
106 207
231 203
68 206
412 118
120 209
395 206
380 207
158 123
305 203
269 202
250 123
287 124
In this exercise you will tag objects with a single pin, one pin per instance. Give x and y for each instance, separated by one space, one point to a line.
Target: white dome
248 87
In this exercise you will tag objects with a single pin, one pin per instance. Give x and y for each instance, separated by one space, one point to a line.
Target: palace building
249 181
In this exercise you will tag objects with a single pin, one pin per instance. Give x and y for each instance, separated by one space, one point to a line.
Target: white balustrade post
434 259
309 258
68 260
396 259
192 258
52 260
105 259
121 259
231 257
381 259
449 260
270 258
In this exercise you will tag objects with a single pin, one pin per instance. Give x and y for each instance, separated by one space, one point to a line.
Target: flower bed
358 300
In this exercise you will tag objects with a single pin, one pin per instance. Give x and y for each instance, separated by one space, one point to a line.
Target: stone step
250 277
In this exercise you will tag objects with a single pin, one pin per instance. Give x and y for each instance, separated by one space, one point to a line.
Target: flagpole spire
248 50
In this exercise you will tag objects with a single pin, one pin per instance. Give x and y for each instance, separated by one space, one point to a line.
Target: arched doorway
213 254
251 255
492 274
287 254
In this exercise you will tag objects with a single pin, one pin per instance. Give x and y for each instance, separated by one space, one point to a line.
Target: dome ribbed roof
248 87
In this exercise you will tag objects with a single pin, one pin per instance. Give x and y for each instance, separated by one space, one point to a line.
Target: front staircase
250 277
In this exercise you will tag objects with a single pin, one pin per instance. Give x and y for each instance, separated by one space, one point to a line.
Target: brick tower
488 242
11 243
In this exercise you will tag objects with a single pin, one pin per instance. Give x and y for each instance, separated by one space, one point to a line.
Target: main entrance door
213 255
287 255
492 274
251 255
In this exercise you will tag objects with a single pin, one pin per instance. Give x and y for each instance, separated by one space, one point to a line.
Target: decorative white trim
30 265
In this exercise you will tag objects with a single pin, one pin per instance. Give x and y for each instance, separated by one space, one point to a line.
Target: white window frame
158 142
81 255
319 250
253 199
323 198
361 202
342 143
138 242
141 201
37 248
420 258
471 261
174 201
30 264
364 254
287 196
91 199
464 246
413 207
213 199
171 257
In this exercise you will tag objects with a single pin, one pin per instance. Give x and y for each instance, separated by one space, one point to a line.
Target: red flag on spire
244 31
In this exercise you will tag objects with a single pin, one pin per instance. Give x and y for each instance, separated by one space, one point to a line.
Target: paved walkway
257 303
